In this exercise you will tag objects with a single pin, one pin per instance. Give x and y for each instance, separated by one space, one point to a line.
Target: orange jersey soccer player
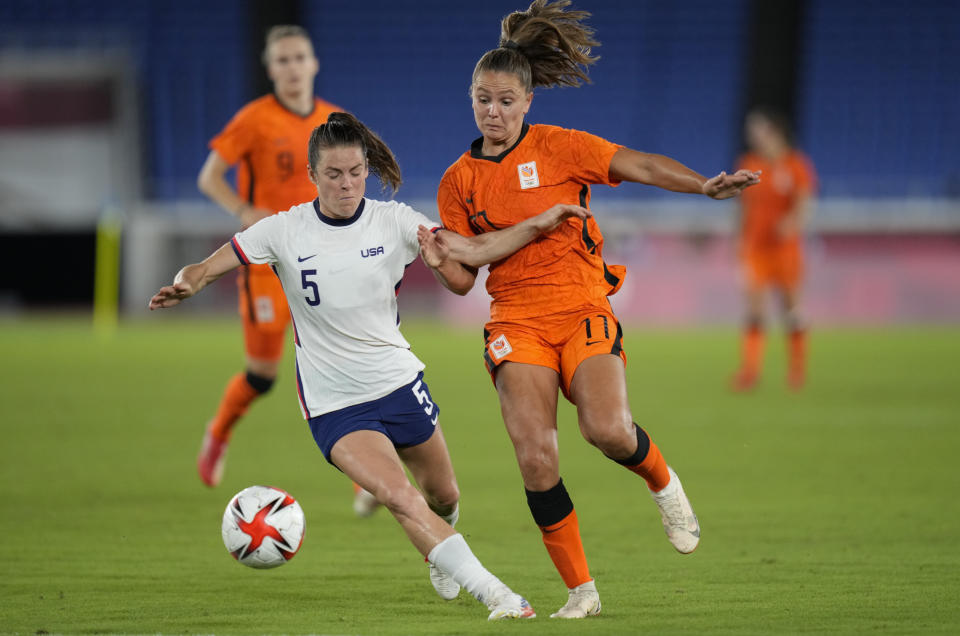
267 141
771 231
551 325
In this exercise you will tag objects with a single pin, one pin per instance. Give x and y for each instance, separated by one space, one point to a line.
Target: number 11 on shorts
606 329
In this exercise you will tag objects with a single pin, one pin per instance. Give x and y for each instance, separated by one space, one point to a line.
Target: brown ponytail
343 129
543 46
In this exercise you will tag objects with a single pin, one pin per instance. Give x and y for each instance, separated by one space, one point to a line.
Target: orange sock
235 401
797 351
565 548
553 511
647 462
653 468
752 350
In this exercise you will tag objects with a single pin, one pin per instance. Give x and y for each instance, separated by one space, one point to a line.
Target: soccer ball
263 527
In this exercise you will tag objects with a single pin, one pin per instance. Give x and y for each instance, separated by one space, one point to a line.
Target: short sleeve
590 157
257 244
409 221
453 213
237 138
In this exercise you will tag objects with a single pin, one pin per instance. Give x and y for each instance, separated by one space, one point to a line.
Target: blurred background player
360 387
267 142
772 217
551 325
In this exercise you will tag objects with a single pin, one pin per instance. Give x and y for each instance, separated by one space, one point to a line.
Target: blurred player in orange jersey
771 231
551 326
267 142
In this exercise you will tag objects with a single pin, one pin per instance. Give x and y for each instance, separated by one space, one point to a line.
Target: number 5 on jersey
313 298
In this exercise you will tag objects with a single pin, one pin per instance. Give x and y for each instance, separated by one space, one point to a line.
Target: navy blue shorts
408 417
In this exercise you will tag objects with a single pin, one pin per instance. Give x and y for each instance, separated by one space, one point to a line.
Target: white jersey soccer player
340 259
341 278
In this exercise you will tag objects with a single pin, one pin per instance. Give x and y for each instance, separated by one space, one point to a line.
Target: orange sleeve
237 138
590 156
453 212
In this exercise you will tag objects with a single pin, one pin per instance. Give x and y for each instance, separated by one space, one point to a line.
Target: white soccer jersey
341 279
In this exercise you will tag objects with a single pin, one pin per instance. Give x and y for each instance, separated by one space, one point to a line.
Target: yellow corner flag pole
106 282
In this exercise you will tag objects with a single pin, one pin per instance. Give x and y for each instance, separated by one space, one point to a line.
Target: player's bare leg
796 338
241 391
370 460
528 401
430 465
751 350
599 389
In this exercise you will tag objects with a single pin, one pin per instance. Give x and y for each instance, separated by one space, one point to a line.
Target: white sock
454 516
454 556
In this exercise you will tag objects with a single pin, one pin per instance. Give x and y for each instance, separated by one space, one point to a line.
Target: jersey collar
329 220
476 148
313 107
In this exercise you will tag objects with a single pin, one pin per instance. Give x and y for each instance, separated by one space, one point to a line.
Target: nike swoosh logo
594 342
305 258
435 418
545 531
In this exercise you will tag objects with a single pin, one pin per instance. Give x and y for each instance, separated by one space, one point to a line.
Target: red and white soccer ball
263 527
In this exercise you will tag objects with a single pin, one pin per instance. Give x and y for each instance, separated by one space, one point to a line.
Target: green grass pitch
832 510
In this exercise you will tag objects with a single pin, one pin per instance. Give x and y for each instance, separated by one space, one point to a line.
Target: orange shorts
781 268
560 342
264 311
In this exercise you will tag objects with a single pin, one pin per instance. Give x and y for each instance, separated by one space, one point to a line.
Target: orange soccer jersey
768 202
268 143
558 272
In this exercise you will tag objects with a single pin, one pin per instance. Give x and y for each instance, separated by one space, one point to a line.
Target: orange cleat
743 381
796 378
211 460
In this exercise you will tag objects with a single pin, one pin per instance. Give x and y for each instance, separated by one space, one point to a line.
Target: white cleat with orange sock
583 601
679 521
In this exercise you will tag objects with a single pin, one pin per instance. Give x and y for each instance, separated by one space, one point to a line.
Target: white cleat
443 583
583 601
510 605
679 522
364 503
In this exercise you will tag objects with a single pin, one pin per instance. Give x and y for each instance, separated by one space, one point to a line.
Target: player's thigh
757 274
528 403
593 369
599 390
430 465
369 458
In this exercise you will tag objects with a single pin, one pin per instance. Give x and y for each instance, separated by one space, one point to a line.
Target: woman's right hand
171 295
433 249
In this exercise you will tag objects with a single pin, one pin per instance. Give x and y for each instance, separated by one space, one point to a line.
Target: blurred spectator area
877 108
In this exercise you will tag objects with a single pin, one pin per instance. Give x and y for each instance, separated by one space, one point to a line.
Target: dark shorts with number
559 341
407 416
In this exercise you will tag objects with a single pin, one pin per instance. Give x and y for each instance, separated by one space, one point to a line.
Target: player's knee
538 466
259 383
400 500
443 499
611 433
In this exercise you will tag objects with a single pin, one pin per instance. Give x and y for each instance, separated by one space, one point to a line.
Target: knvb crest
528 175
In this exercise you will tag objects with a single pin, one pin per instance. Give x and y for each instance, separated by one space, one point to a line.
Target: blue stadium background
878 104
